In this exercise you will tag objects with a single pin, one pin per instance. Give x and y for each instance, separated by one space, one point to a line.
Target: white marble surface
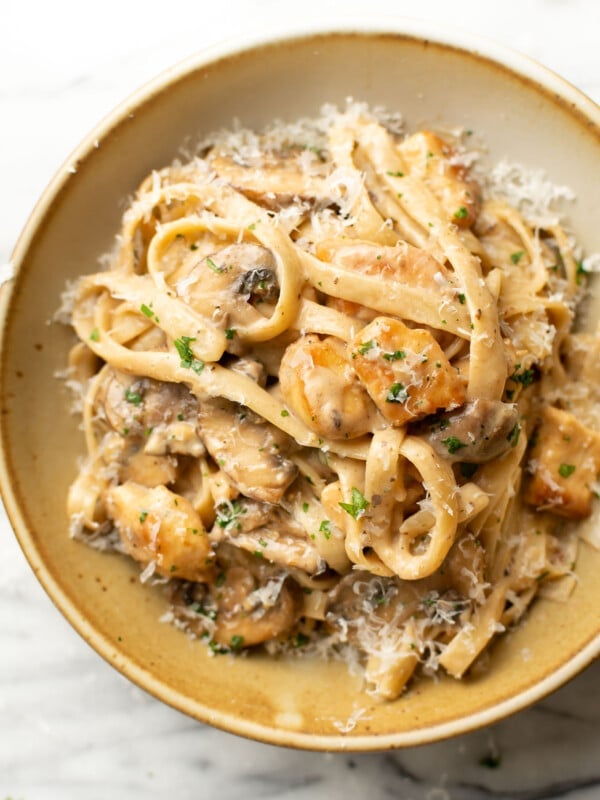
72 727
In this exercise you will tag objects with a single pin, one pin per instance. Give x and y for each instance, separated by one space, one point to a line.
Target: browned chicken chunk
565 463
405 371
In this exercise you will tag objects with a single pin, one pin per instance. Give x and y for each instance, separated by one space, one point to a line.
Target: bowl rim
517 64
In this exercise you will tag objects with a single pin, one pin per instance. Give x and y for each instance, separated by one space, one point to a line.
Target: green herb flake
143 515
301 640
213 266
526 376
581 270
146 311
461 213
513 436
566 470
358 506
397 355
229 333
516 257
462 299
305 507
397 394
325 528
364 348
173 568
258 554
453 444
263 542
135 398
468 470
95 335
220 579
188 360
396 174
285 412
180 417
491 761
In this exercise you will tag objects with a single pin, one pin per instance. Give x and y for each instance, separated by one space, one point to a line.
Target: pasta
333 398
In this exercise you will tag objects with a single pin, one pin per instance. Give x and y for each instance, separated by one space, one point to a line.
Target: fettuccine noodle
332 397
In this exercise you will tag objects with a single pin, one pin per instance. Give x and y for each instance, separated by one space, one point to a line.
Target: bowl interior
302 703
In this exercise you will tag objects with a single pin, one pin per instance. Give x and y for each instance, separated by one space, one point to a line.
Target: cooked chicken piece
267 532
477 432
356 310
255 602
565 463
320 386
163 413
280 182
249 450
430 158
159 526
148 470
405 371
402 263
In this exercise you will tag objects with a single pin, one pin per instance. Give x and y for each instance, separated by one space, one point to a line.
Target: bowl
522 112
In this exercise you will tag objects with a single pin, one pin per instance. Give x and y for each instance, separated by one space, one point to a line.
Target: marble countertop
70 725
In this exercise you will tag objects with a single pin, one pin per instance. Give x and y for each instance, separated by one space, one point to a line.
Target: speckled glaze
522 112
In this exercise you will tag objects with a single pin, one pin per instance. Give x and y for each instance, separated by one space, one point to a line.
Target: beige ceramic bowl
523 112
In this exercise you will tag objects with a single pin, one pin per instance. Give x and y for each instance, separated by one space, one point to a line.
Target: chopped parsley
188 360
229 333
397 355
462 299
461 213
213 266
220 580
491 761
301 640
325 528
453 444
143 515
358 506
364 348
581 270
305 507
516 257
236 642
285 412
135 398
228 513
146 311
396 394
513 436
566 470
95 335
526 376
393 174
468 470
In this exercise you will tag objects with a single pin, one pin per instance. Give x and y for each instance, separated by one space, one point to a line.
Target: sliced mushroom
163 413
255 602
281 181
249 450
478 432
268 532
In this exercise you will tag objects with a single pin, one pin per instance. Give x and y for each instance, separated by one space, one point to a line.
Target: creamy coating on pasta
333 398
